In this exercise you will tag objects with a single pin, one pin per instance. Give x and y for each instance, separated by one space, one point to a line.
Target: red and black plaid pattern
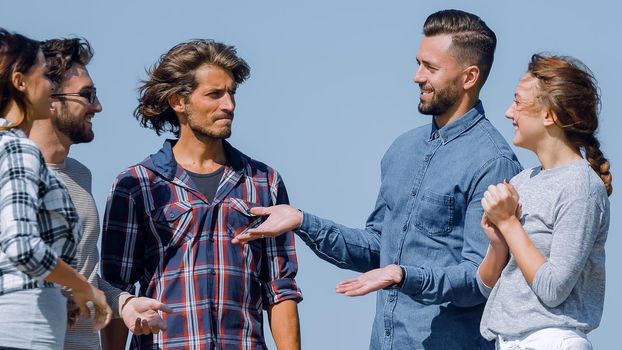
161 232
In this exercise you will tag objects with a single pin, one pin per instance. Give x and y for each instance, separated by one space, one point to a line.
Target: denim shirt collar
164 163
460 125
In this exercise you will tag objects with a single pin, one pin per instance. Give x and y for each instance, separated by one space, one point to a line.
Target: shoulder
408 140
582 181
19 151
76 168
490 141
133 176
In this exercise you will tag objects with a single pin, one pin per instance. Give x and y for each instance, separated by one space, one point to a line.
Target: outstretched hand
370 281
141 315
281 218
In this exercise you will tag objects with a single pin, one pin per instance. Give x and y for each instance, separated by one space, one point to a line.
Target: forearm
65 275
285 325
348 248
456 284
527 256
493 264
114 336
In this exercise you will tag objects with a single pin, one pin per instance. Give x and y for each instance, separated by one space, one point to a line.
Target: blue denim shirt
427 219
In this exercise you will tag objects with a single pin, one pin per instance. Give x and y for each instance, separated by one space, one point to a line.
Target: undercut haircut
472 41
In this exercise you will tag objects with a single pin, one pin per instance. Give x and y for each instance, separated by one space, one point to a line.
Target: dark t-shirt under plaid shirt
38 221
161 231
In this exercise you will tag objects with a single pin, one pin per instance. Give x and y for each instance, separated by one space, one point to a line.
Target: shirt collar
164 162
458 126
16 131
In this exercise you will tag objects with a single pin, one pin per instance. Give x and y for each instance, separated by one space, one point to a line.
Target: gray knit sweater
566 214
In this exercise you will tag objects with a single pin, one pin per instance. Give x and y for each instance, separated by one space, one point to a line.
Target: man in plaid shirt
170 219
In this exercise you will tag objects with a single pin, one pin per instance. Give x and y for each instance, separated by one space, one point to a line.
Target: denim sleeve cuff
310 224
279 290
483 288
412 282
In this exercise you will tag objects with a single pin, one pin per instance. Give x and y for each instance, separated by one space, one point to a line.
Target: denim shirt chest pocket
172 221
435 213
239 216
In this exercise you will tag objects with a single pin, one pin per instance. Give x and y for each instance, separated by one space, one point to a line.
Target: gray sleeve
575 230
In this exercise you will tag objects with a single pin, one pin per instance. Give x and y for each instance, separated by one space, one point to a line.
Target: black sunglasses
89 95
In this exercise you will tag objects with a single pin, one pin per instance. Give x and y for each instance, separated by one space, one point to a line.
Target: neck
53 144
199 154
13 114
458 109
556 151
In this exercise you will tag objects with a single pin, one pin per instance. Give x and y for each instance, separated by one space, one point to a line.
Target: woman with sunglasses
548 226
39 226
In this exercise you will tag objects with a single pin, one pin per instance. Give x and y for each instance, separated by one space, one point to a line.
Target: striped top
77 177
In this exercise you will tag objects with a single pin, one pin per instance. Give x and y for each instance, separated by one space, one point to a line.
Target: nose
96 106
509 113
419 77
228 103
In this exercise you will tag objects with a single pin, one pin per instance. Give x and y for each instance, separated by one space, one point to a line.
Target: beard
75 128
442 100
211 131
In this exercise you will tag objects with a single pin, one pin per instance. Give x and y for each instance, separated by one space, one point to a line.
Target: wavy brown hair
174 73
568 88
61 54
17 54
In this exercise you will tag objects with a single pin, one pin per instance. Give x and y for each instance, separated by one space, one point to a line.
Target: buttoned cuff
310 224
412 282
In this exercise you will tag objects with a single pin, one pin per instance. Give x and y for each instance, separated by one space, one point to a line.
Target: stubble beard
206 131
75 128
442 101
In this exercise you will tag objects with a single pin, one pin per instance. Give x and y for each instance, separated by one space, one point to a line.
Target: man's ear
177 103
471 77
17 79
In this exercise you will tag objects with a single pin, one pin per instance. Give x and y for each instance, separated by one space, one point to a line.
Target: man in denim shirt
423 242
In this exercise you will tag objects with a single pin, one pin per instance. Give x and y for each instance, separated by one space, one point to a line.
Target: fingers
260 211
250 235
164 308
102 317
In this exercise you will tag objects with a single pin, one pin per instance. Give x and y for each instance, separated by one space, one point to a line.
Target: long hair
17 54
568 88
174 73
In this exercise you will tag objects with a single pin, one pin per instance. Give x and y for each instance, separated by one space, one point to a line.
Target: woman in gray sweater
544 273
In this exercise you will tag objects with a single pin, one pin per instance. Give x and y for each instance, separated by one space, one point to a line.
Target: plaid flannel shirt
38 221
162 232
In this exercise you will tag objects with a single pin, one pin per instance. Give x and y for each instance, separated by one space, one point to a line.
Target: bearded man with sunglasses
74 105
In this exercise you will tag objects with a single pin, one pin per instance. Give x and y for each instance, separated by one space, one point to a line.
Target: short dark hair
17 54
473 42
174 73
61 54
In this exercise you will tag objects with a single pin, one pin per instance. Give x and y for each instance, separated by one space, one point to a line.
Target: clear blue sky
330 88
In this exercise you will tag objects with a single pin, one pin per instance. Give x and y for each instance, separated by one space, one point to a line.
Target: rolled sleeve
20 238
281 261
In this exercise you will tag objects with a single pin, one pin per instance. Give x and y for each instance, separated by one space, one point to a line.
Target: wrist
300 216
507 224
398 274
